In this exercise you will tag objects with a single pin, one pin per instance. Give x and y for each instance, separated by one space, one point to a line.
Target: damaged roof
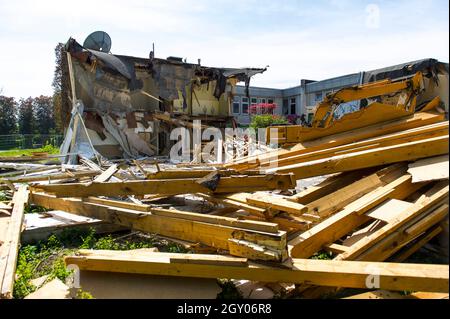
170 75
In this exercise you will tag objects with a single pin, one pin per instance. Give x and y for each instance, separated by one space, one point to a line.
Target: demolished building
126 107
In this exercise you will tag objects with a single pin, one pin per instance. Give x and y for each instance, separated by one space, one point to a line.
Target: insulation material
118 133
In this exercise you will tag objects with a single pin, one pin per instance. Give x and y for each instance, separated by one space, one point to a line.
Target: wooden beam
407 251
237 200
375 157
351 274
272 202
343 222
387 127
75 175
232 184
429 131
118 203
10 248
209 234
390 244
335 201
434 196
104 176
219 220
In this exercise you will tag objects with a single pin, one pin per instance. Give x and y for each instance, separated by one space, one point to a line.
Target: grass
47 257
29 152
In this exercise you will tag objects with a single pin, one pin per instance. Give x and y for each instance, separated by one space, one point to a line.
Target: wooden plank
232 184
10 248
388 210
429 169
415 246
352 274
272 202
219 220
239 247
335 201
429 131
438 193
118 203
392 243
193 259
58 176
432 218
212 235
331 184
336 248
104 176
377 294
386 127
428 295
237 200
375 157
361 233
340 224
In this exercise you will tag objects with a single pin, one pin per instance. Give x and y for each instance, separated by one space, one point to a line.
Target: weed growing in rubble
4 196
38 260
324 255
47 257
30 208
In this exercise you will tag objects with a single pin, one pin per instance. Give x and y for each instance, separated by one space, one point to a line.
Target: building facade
301 100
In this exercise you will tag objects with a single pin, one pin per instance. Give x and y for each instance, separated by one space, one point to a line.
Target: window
292 106
318 96
244 105
253 102
263 100
270 101
285 106
236 105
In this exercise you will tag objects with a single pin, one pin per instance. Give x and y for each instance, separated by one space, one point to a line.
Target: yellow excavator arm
323 114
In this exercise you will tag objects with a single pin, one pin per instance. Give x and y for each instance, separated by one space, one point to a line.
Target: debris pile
380 194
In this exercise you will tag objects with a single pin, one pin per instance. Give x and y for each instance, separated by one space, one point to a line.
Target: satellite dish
98 41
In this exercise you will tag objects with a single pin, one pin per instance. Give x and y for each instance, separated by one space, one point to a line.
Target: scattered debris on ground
376 197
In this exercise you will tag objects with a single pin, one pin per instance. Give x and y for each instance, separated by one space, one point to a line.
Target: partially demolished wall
128 106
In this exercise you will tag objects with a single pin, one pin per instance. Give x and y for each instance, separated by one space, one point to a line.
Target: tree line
37 115
33 115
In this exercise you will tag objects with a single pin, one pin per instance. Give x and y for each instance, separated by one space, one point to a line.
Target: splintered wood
384 196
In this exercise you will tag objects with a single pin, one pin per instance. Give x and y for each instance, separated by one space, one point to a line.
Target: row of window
241 103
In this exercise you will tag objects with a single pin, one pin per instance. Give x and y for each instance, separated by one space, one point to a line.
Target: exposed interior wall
202 101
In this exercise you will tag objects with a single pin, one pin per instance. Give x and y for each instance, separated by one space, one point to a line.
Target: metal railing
29 141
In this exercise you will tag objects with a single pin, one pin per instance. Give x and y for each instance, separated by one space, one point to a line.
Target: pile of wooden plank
381 194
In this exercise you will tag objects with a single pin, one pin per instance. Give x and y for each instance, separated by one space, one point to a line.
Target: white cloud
296 39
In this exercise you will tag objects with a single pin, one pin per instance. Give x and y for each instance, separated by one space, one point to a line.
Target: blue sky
296 39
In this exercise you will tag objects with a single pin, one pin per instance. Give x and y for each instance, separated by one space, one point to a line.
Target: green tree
8 120
44 114
61 102
26 120
26 116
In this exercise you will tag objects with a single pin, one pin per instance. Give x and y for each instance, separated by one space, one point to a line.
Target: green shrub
266 120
